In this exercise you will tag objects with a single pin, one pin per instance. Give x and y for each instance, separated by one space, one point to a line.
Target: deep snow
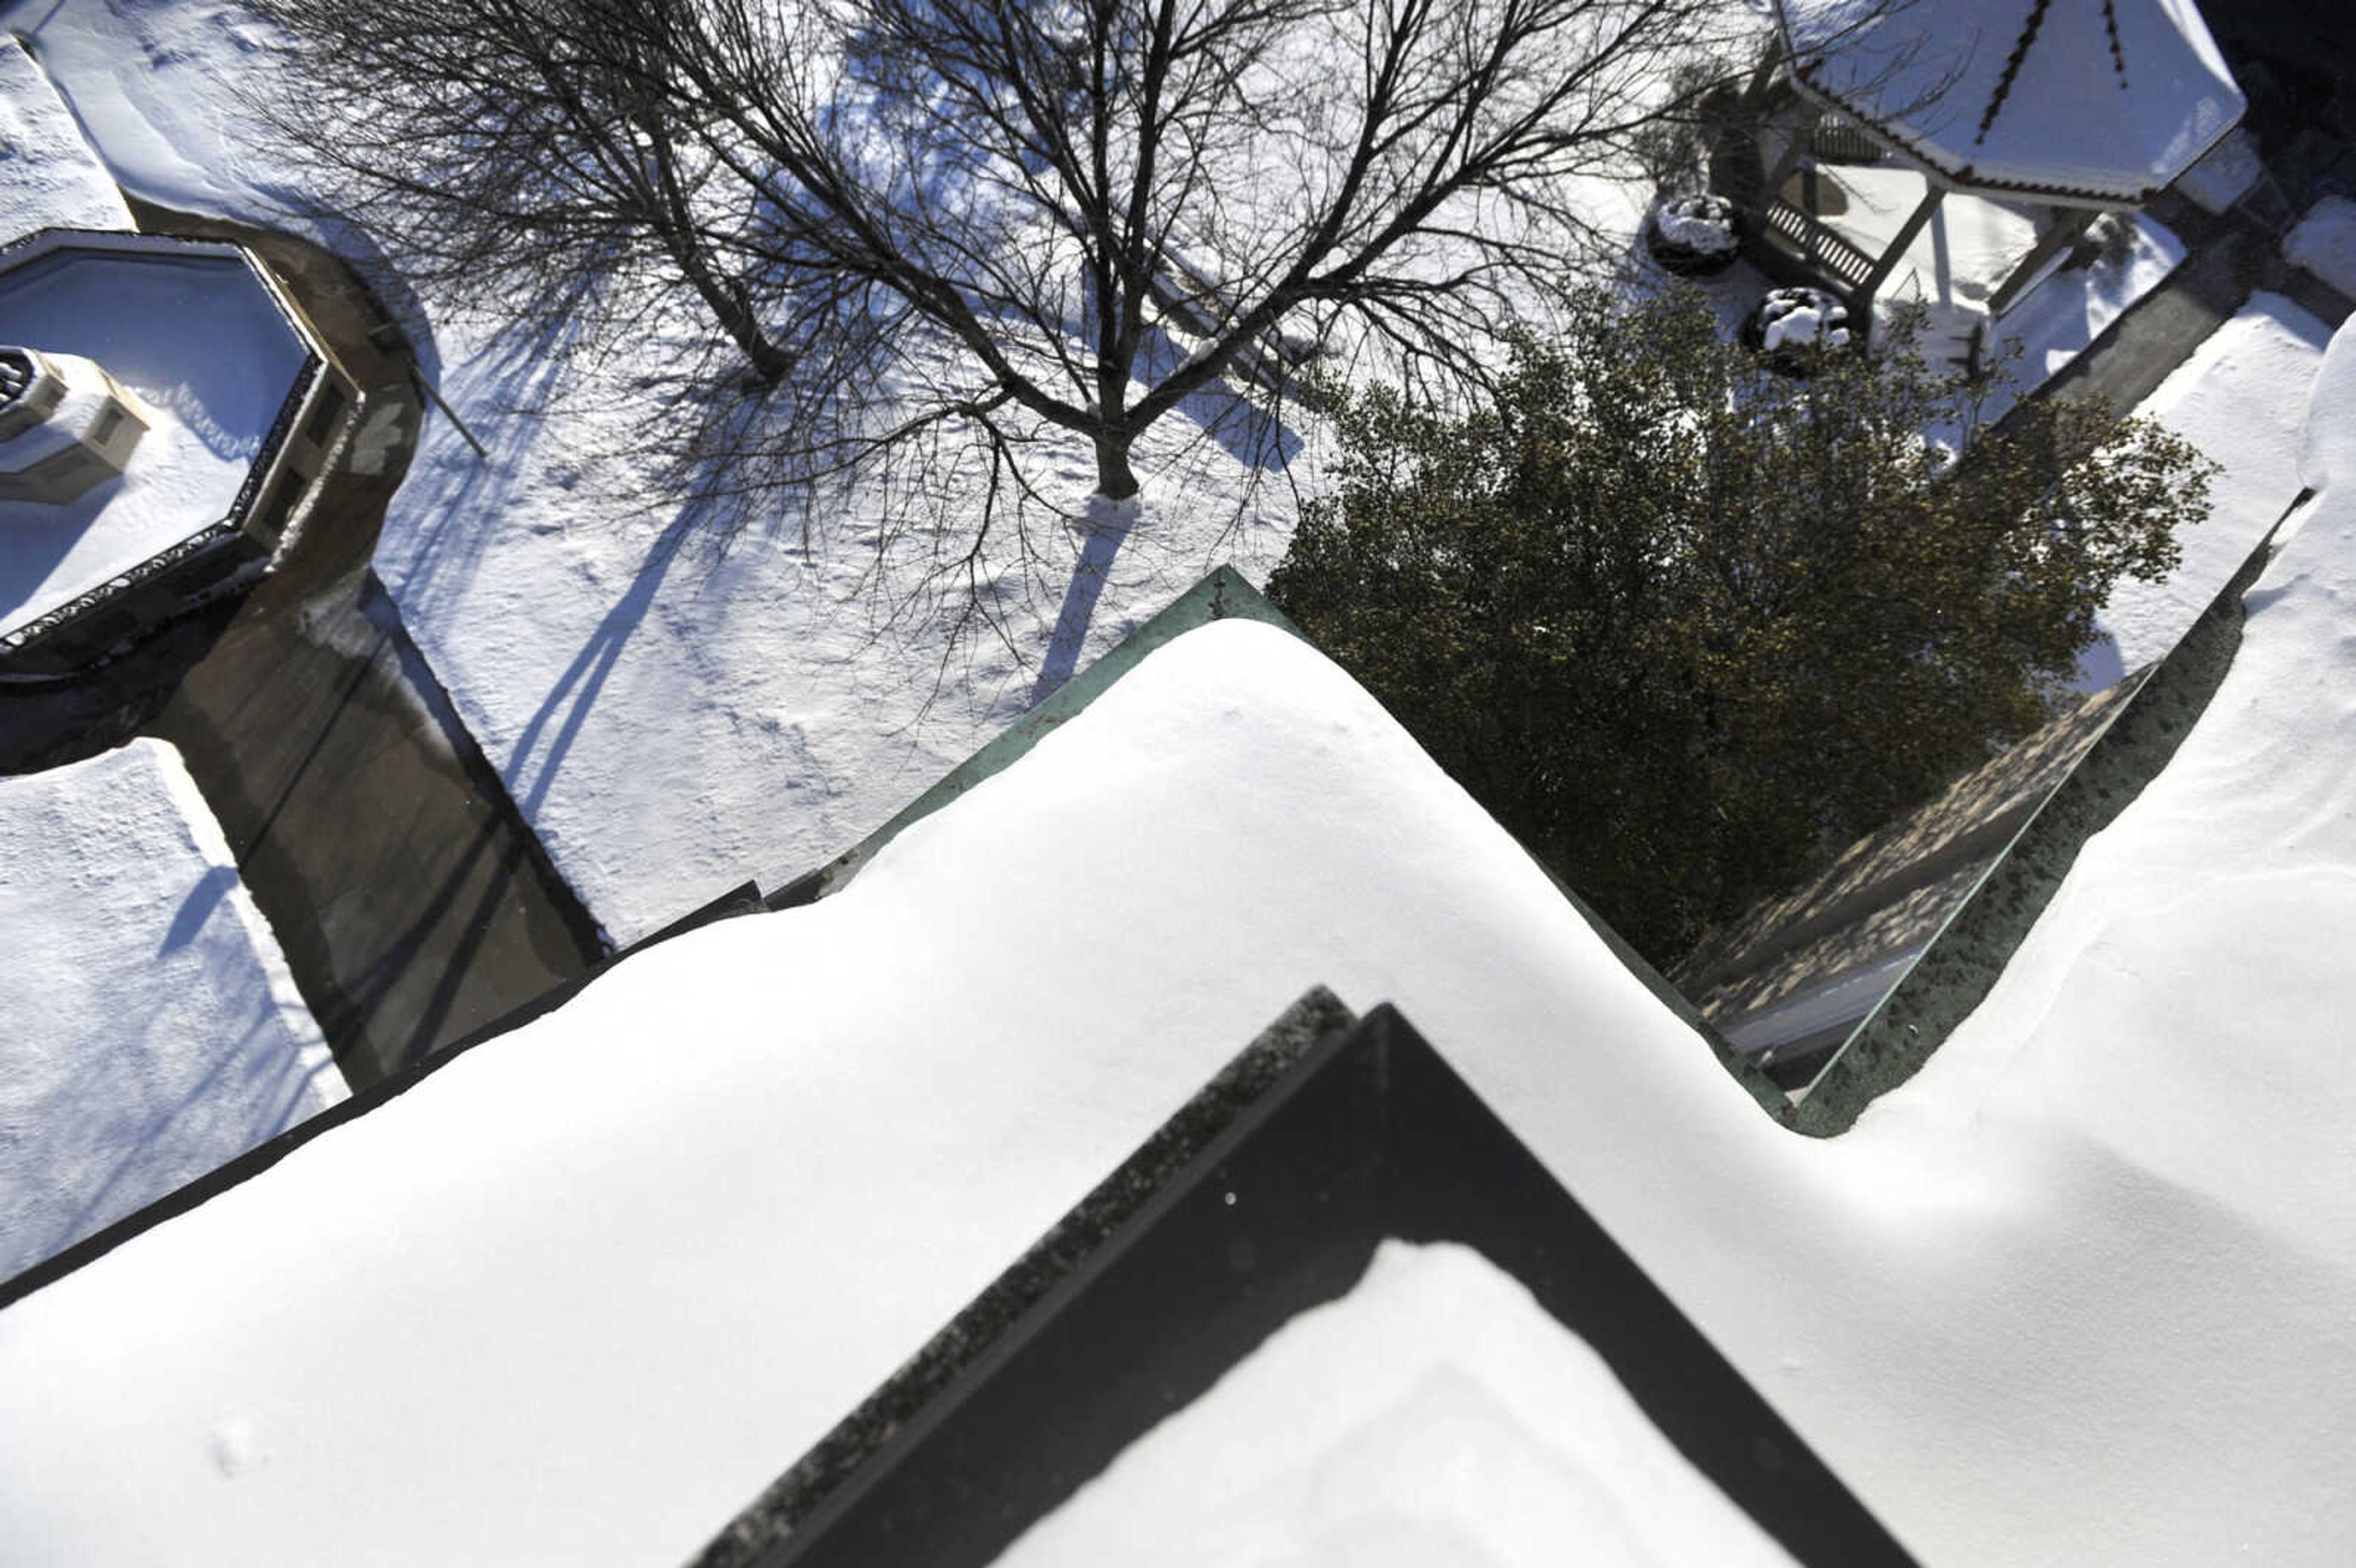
151 1028
2077 1292
670 724
2241 398
1434 1416
2325 243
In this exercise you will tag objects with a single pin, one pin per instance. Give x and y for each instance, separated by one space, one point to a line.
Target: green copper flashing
1224 595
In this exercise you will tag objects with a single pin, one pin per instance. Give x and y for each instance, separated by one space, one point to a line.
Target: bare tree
993 220
515 158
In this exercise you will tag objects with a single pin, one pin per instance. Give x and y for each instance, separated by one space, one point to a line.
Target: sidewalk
2227 260
413 902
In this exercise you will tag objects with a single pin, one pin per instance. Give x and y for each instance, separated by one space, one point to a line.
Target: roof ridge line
2012 64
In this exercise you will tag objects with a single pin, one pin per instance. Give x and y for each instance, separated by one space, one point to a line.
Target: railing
1816 243
83 603
1838 139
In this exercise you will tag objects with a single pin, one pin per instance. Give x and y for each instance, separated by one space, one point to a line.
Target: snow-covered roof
2101 101
49 174
2098 1257
205 341
149 1029
1437 1409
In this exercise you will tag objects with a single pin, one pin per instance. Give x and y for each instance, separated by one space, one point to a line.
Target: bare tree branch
988 220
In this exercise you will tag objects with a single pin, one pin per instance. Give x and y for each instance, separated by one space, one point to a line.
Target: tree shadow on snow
574 693
248 1093
1106 535
453 505
198 908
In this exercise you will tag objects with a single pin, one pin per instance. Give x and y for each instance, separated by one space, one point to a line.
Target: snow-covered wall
149 1030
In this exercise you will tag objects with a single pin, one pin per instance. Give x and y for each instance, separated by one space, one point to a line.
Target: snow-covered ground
1435 1415
671 722
2227 173
1964 255
2079 1293
2325 243
148 1028
198 342
2240 399
49 177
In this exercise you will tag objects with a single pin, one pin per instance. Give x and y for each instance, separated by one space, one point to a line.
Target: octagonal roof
197 331
2087 100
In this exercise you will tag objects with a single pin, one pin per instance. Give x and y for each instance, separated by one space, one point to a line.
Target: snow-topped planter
2325 243
1693 236
1792 328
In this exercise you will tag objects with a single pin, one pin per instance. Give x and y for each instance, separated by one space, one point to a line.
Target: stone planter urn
1793 329
1693 236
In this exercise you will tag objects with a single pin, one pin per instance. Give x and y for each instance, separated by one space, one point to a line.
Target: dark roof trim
1962 177
1962 962
56 245
1266 1196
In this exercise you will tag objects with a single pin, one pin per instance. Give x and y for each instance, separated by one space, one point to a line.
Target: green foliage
1687 627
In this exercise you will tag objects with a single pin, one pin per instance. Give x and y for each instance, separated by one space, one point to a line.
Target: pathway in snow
414 902
2241 398
2163 328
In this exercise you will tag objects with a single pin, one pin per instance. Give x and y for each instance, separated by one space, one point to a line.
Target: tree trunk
769 362
1116 481
736 317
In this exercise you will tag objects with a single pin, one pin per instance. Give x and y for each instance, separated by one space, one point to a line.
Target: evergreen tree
1687 626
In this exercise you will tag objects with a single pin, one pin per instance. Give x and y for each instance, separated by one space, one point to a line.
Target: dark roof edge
1270 1200
1962 178
1972 949
831 1471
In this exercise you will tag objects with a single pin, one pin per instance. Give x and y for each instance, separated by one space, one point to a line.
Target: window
324 412
271 521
